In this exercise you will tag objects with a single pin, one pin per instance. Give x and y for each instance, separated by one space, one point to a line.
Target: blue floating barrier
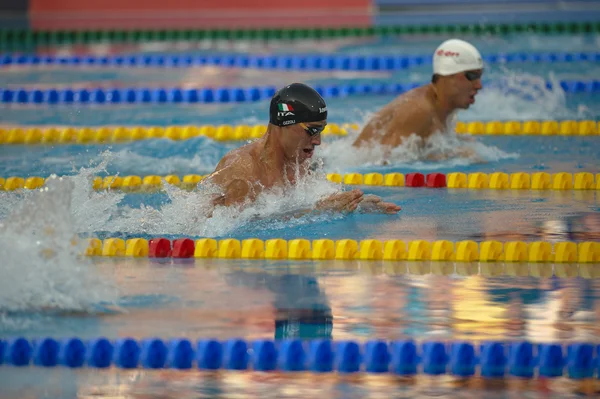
201 60
521 360
387 62
144 95
377 357
401 63
130 95
209 355
222 95
99 353
378 88
63 60
237 94
270 62
7 96
6 59
22 60
175 96
328 62
462 359
373 63
580 361
126 353
22 96
331 91
48 60
67 96
160 96
493 360
82 96
18 352
187 60
159 60
89 60
362 88
491 58
190 96
235 356
343 62
2 351
131 60
154 353
298 62
595 86
148 60
551 360
268 92
37 96
404 358
228 60
415 61
114 96
116 60
320 356
71 353
253 93
103 60
264 357
173 61
319 89
213 60
98 96
241 61
34 60
207 95
347 357
180 354
75 60
434 358
292 356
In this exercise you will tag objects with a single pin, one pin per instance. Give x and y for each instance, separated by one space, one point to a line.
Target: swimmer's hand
346 201
374 204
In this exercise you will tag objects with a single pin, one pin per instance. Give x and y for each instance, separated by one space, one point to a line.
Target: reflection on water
347 300
169 384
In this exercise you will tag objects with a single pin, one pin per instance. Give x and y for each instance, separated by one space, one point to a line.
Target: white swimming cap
454 56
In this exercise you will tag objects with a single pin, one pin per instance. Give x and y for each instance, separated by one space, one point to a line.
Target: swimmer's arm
236 192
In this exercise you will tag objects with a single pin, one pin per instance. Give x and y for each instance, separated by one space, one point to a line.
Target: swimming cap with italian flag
297 103
454 56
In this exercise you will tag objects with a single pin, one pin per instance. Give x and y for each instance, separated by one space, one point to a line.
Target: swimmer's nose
316 139
477 84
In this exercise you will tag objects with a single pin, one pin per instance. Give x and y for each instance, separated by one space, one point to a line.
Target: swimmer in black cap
297 116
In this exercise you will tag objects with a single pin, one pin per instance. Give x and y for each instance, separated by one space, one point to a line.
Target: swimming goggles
312 130
473 75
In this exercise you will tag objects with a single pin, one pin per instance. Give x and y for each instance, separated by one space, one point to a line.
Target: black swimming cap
297 103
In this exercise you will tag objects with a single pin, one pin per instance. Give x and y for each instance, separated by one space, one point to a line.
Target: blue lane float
491 359
323 62
175 95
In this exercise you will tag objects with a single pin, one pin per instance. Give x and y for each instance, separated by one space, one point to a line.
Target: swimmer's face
464 88
299 140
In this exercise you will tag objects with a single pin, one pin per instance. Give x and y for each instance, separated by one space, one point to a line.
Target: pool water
57 293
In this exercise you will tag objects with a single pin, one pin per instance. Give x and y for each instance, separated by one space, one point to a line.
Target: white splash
522 96
189 213
42 267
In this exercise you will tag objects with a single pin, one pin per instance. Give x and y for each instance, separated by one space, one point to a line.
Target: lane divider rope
561 181
25 39
348 249
124 134
489 359
327 62
177 95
